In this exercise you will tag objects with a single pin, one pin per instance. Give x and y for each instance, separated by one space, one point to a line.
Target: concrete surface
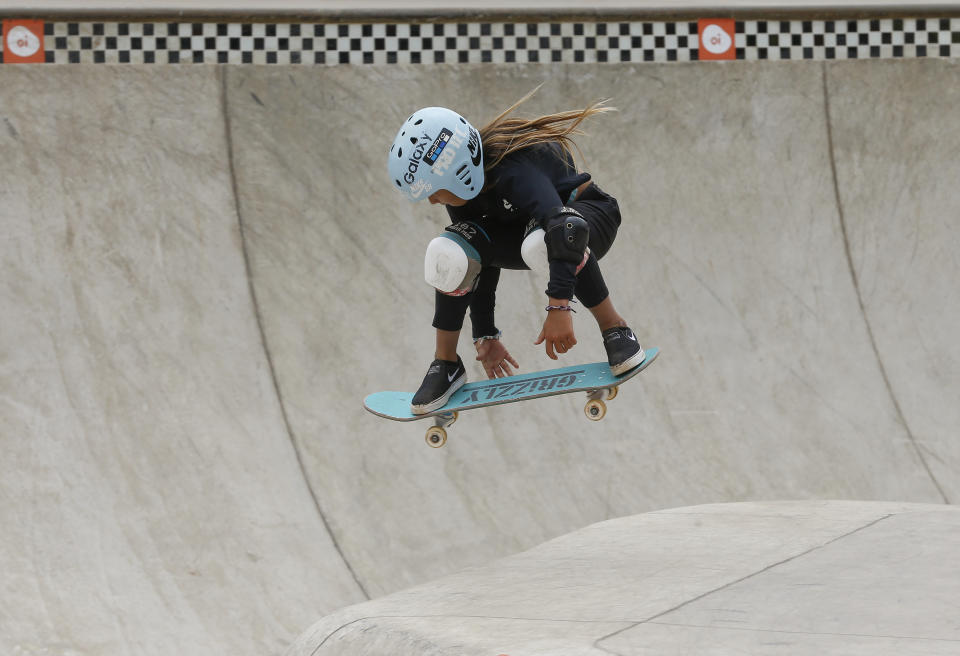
151 499
202 273
766 579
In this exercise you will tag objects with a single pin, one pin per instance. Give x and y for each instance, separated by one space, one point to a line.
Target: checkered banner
474 42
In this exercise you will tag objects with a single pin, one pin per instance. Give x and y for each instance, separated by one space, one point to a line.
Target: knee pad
567 235
451 265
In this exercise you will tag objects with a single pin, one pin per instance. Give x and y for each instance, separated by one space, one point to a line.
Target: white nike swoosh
452 376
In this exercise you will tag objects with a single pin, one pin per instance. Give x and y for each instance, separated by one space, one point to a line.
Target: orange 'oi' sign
717 38
23 41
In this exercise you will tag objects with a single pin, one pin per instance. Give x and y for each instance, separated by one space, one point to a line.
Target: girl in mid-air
516 201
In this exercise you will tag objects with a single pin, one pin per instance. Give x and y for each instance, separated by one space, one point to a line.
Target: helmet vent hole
398 184
418 121
460 170
400 152
413 140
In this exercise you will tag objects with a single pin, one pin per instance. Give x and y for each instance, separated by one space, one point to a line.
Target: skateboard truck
596 409
437 434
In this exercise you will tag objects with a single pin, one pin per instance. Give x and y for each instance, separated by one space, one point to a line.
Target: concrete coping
339 10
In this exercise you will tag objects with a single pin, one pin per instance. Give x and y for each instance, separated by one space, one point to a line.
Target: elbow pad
567 235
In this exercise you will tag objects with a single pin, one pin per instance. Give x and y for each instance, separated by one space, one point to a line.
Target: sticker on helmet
420 188
474 147
438 145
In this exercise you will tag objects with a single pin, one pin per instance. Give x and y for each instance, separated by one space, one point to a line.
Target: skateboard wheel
436 436
612 392
595 410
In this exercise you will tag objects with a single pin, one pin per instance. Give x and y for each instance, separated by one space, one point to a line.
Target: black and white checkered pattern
486 42
853 39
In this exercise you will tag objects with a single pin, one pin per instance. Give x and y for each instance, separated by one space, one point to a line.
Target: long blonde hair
503 136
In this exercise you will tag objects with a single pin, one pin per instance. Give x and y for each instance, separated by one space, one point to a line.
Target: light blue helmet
436 149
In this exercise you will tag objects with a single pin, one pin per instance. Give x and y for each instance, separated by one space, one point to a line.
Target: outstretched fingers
496 360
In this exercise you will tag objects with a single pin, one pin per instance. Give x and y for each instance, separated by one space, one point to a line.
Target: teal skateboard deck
595 379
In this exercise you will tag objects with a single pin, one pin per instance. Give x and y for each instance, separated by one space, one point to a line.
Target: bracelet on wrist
480 340
562 308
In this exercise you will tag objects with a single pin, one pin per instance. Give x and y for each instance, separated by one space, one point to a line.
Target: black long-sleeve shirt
526 186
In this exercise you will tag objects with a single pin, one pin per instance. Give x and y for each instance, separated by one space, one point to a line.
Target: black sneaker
623 349
442 380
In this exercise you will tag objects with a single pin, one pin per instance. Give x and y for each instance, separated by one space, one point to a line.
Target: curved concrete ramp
755 578
896 168
152 502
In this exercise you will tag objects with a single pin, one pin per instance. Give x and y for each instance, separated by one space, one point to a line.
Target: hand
557 333
495 358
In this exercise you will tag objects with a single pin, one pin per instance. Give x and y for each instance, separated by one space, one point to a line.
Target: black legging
602 213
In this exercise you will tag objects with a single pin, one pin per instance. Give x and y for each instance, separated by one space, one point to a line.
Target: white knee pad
534 253
450 266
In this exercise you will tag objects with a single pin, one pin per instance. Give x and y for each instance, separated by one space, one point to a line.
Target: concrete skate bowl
204 272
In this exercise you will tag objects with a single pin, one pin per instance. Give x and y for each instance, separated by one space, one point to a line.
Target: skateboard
595 379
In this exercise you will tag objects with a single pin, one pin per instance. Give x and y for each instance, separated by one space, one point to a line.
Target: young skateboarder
515 201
